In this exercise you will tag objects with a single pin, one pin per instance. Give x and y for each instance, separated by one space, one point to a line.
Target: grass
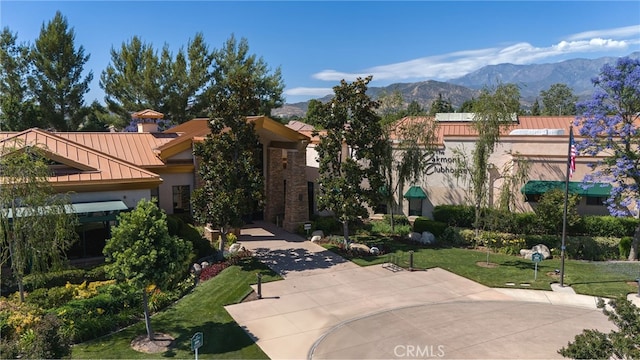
200 311
604 279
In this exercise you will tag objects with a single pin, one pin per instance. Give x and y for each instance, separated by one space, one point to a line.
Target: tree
514 174
313 116
390 108
17 108
608 125
467 106
550 210
141 252
535 108
410 144
558 100
36 226
97 118
494 110
131 80
57 80
350 153
414 109
440 105
187 76
622 343
231 184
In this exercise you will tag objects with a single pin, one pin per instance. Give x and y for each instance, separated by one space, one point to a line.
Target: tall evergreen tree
17 108
440 105
57 82
231 181
350 153
131 80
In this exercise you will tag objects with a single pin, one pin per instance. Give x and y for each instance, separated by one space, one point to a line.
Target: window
181 199
596 201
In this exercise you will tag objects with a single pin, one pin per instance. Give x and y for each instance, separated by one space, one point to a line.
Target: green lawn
606 279
200 311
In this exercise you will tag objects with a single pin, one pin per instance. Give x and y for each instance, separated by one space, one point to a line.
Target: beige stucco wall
165 191
547 156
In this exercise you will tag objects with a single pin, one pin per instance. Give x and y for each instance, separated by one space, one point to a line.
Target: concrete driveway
329 308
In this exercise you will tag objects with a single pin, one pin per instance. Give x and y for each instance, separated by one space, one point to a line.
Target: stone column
274 192
296 201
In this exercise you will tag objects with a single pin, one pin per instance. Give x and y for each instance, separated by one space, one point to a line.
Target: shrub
328 224
624 247
422 224
595 248
384 228
49 341
609 226
456 236
398 219
455 215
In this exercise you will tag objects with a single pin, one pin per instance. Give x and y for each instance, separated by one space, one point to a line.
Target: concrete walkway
329 308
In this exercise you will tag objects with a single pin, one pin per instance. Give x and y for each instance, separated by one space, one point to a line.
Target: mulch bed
161 343
484 264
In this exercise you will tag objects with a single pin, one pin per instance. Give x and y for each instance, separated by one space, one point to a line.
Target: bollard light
259 286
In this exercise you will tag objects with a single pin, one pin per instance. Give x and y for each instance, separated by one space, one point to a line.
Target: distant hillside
575 73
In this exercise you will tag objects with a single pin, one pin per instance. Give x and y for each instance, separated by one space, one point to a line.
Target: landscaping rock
317 233
540 248
427 238
414 236
359 247
235 247
196 269
315 238
374 250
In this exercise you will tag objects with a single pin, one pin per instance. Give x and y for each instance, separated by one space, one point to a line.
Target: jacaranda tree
609 125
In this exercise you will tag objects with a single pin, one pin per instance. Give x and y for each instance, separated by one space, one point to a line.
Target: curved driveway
329 308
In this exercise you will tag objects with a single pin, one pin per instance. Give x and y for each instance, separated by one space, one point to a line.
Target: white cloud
308 91
456 64
624 32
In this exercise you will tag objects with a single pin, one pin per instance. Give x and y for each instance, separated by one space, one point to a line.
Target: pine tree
57 83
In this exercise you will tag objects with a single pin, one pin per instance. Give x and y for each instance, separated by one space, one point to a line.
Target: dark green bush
612 226
54 278
526 224
550 241
328 224
454 236
591 248
422 224
455 215
624 247
397 219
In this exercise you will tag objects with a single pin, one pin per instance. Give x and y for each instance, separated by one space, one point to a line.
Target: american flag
572 153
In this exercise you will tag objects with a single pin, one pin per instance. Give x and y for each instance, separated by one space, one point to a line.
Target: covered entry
416 196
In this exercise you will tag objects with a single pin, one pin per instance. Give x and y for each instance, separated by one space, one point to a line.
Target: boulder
359 247
315 238
374 250
414 236
196 268
235 247
317 233
427 238
540 248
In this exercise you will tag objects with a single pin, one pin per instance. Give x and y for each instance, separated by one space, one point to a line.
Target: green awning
86 210
415 192
539 187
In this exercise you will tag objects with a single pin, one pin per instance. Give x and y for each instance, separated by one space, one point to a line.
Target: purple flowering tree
609 123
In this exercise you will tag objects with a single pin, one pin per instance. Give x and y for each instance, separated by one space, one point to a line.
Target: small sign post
536 258
307 227
196 342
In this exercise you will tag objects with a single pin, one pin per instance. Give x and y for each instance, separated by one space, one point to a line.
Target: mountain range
531 79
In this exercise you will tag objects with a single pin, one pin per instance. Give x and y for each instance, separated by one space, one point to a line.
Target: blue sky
318 43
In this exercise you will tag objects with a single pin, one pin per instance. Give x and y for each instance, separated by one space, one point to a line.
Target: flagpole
566 201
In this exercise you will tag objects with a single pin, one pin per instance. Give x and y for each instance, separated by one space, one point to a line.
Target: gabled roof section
194 130
95 168
147 114
136 148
